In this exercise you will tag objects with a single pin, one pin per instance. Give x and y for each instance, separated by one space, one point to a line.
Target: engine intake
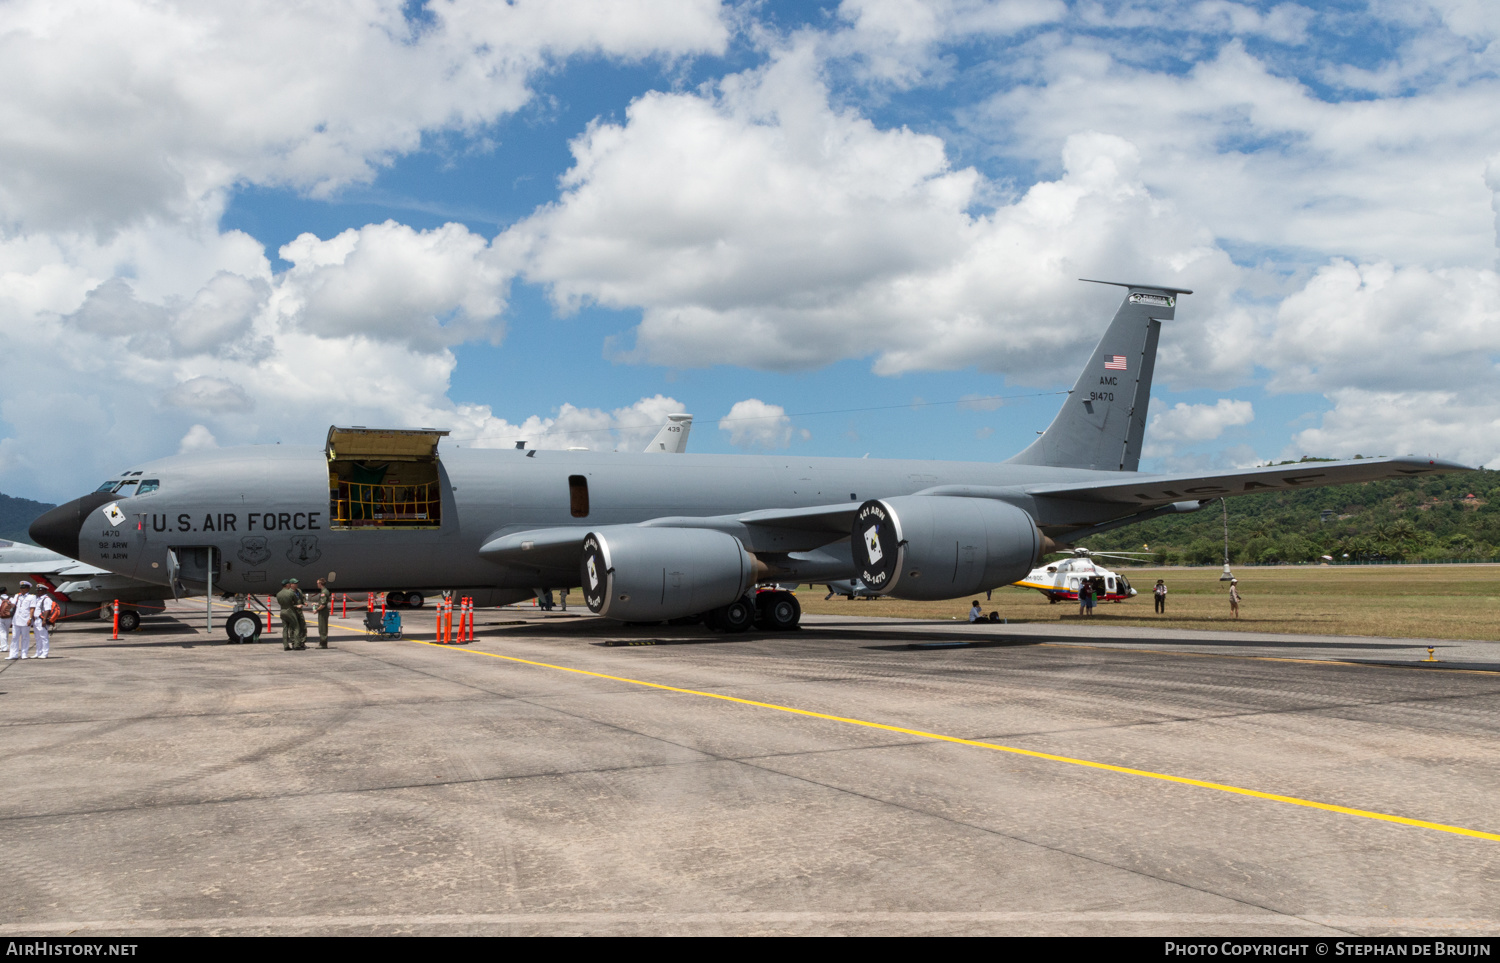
942 546
649 574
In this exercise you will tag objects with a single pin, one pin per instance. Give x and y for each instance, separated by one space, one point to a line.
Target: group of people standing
25 617
1160 595
294 623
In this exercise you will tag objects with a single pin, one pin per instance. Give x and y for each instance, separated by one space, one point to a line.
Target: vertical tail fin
1103 422
673 436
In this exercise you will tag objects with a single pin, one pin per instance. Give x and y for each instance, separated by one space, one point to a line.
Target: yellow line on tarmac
1050 757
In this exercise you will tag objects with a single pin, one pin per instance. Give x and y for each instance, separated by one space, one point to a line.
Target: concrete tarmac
566 775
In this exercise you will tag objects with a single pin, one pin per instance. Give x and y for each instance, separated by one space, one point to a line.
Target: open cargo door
384 478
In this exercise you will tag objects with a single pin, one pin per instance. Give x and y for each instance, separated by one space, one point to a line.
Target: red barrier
268 614
117 619
344 612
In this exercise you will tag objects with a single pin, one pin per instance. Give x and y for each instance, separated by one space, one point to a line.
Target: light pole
1227 574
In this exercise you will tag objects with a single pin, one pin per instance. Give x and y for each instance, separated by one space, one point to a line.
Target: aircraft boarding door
192 569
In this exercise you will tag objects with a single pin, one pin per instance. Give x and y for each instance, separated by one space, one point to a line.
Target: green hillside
1418 519
16 515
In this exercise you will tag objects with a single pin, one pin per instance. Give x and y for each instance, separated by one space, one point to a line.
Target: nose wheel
241 627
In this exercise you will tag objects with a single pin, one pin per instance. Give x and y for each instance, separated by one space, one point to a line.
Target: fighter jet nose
58 528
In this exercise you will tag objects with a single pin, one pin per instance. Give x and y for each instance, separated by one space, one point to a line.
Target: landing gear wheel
240 627
737 616
393 599
777 611
415 600
130 620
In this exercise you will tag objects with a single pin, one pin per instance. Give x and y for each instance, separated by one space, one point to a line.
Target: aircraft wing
65 567
1149 490
536 548
548 550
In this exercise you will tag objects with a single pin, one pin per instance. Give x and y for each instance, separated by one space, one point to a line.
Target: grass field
1398 601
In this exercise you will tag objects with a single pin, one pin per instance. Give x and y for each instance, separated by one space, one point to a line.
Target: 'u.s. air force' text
230 522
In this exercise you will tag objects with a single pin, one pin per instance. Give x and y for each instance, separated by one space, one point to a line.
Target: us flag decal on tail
1116 363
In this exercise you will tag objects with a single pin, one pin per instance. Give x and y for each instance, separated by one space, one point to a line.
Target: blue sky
829 224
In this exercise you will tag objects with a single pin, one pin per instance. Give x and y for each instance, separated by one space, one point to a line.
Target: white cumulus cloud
755 224
1435 423
1187 424
119 110
390 282
198 438
753 423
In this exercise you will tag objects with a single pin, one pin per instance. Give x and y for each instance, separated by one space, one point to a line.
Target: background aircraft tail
1103 422
673 436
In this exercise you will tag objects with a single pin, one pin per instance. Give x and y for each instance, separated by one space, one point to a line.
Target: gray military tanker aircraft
82 591
650 539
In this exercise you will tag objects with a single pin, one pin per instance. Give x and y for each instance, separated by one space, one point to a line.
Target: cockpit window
149 485
109 486
127 487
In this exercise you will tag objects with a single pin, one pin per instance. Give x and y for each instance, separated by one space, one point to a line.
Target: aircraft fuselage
266 509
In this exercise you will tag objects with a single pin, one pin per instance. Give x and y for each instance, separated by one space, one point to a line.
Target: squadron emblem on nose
304 550
253 550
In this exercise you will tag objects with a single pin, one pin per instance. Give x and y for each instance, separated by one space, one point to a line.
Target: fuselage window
149 485
578 496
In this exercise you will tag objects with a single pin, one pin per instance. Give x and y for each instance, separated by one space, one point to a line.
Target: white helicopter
1060 581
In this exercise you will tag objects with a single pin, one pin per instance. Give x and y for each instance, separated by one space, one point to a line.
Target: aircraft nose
58 528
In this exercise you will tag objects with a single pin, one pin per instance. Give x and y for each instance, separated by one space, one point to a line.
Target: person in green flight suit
293 624
321 605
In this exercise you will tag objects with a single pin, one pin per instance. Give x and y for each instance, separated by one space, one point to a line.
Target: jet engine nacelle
942 546
648 574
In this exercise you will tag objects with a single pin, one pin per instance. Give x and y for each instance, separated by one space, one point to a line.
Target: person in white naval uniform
20 636
43 613
7 609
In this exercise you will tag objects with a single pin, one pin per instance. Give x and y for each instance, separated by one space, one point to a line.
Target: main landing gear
776 611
